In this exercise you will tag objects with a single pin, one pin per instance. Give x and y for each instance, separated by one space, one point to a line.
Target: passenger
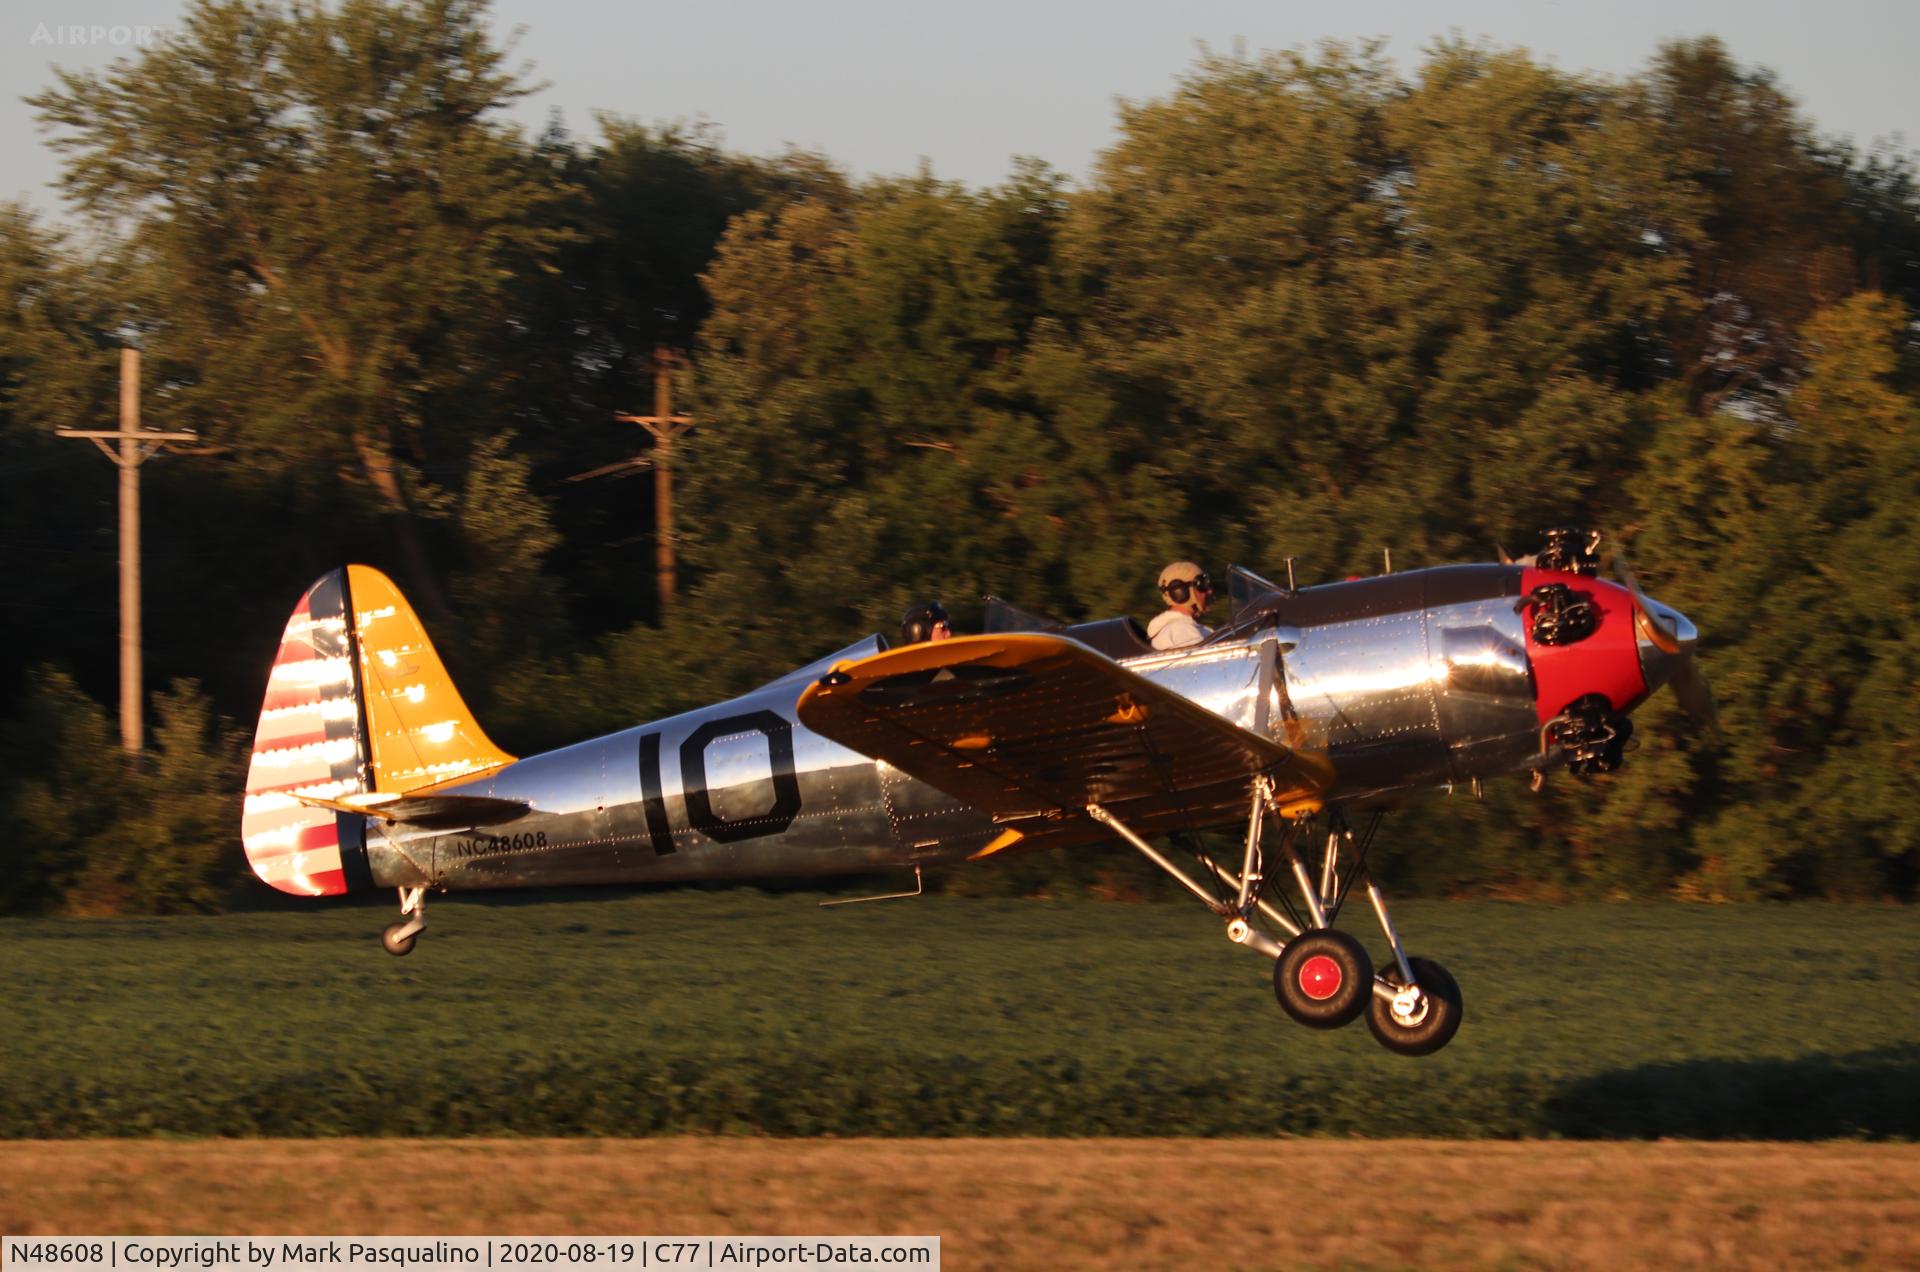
1188 591
925 621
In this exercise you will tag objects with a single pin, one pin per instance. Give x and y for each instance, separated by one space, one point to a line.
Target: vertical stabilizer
420 730
358 707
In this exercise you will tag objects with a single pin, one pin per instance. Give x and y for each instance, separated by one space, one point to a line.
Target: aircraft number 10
775 728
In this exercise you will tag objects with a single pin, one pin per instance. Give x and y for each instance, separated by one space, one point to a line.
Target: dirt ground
1030 1203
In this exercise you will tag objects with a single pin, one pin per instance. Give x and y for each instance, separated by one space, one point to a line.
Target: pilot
925 621
1188 591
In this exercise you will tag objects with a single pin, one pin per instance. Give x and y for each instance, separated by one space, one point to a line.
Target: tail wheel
1323 979
397 940
1417 1024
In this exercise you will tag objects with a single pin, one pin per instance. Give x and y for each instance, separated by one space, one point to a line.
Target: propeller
1656 627
1695 695
1662 629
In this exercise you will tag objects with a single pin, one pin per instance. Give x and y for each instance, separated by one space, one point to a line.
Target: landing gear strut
399 937
1323 978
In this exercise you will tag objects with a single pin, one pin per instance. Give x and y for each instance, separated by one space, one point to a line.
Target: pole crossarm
146 445
671 425
139 434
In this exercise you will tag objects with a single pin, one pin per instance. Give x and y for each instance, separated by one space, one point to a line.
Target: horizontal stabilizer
429 812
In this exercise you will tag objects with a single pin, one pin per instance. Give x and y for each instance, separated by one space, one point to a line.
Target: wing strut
1241 936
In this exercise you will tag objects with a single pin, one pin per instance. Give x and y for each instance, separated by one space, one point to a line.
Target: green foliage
96 831
328 220
56 321
326 197
1351 306
882 376
1773 238
60 753
507 532
739 1013
55 327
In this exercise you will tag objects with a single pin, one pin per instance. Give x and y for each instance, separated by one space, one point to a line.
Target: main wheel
1430 1023
394 943
1323 979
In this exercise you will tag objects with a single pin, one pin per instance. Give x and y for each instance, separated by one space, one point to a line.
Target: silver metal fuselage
1406 682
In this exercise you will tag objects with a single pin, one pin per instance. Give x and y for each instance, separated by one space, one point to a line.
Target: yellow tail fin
420 732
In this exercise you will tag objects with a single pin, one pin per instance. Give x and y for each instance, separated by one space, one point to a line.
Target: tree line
1307 305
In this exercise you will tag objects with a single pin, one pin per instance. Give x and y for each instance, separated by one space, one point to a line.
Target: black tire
394 943
1323 979
1434 1028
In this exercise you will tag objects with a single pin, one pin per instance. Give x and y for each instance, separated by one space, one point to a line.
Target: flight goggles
1179 590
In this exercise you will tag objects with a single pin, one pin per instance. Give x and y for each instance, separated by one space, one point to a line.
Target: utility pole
666 427
136 447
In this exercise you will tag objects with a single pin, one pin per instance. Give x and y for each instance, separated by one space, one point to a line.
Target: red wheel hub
1320 978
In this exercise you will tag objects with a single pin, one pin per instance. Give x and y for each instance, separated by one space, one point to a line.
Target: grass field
1032 1203
646 1014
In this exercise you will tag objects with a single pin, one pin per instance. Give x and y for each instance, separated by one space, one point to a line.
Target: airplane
1308 709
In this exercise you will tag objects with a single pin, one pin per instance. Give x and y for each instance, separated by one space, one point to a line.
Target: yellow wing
1033 728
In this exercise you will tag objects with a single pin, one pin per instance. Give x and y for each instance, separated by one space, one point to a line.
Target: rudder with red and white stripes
311 741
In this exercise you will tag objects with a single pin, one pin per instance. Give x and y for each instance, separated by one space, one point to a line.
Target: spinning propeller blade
1695 695
1654 625
1688 682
